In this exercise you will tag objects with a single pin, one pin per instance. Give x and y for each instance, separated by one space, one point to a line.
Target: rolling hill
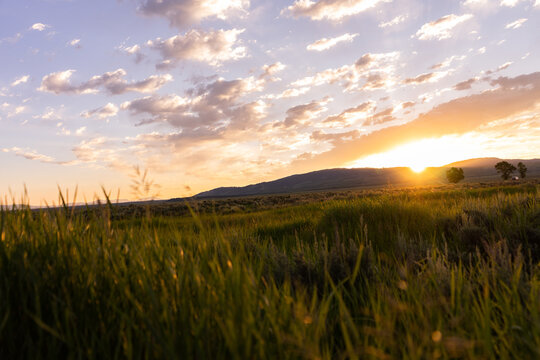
481 169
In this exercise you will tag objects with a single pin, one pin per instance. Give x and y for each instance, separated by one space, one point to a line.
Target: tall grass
414 275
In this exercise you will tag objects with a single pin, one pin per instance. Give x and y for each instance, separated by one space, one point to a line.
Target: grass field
420 273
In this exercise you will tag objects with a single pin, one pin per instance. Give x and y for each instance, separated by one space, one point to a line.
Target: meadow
446 272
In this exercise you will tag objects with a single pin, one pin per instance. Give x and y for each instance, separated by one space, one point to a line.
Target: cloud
34 155
325 43
330 9
12 39
103 150
289 93
50 114
465 85
516 24
76 43
509 3
80 131
447 62
407 104
378 80
39 27
475 3
351 116
425 78
16 111
422 78
159 106
305 114
376 69
395 21
103 112
210 107
441 29
270 70
512 96
113 82
328 76
29 154
182 13
20 80
382 117
135 51
212 47
188 157
500 68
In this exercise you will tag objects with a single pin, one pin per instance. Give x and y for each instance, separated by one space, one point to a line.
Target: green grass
413 274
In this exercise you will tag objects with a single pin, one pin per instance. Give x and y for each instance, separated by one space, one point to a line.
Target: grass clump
397 274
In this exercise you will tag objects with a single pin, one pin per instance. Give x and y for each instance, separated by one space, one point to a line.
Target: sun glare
417 168
424 153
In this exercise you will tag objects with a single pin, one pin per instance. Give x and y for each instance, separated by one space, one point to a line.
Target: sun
421 154
417 168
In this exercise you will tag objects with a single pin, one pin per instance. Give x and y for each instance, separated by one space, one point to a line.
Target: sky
209 93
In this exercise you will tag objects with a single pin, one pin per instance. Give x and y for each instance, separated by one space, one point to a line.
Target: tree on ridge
505 169
455 175
522 170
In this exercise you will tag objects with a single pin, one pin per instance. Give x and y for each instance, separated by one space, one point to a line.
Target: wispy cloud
447 62
99 151
34 155
134 50
103 112
441 29
20 80
290 93
270 70
425 78
395 21
182 13
351 116
305 114
39 27
330 9
12 39
376 70
510 3
466 85
500 68
16 110
113 82
475 3
327 43
76 43
212 47
515 24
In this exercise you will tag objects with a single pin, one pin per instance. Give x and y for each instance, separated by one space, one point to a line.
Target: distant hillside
479 162
474 169
317 180
484 168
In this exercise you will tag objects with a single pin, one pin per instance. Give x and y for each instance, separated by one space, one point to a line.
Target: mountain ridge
343 178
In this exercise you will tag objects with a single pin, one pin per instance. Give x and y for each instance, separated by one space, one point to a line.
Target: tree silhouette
455 175
522 170
505 169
